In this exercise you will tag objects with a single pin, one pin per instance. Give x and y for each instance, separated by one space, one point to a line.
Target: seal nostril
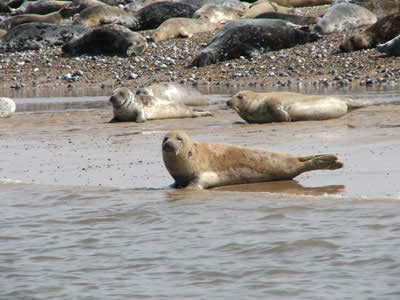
229 103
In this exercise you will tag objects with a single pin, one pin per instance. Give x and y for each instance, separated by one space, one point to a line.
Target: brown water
86 211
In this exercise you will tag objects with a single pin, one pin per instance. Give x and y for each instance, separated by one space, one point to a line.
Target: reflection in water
283 186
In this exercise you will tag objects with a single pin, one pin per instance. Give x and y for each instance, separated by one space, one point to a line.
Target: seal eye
240 97
179 139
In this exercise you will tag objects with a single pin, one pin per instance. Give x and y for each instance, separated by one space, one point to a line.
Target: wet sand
81 148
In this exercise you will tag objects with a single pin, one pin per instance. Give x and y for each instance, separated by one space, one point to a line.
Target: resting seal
267 6
343 17
41 7
203 165
295 19
181 27
111 39
250 37
57 17
382 31
302 3
31 36
177 93
390 48
380 7
104 14
142 107
7 107
217 14
287 106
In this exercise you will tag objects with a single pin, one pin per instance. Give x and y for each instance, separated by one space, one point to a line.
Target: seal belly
317 110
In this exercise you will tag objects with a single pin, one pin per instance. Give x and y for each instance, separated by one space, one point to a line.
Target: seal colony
204 165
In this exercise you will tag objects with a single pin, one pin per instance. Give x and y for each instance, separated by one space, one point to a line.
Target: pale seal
142 107
104 14
250 37
299 3
287 106
204 165
177 93
7 107
181 28
268 6
344 17
57 17
111 39
382 31
218 14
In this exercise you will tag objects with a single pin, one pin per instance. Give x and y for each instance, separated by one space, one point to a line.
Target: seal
218 14
267 6
382 31
7 107
111 39
344 17
390 48
31 36
287 106
250 37
202 165
181 27
153 15
177 93
142 107
295 19
104 14
57 17
299 3
379 7
41 7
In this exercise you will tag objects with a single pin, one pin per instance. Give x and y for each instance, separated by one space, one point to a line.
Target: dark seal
250 37
296 19
382 31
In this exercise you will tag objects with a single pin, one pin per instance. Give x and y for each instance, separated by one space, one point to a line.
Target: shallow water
77 223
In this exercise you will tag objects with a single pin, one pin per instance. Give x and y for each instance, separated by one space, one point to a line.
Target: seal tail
321 162
357 103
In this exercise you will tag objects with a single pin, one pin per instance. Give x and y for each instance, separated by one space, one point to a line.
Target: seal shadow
282 187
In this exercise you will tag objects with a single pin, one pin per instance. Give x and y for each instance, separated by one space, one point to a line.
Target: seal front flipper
321 162
279 113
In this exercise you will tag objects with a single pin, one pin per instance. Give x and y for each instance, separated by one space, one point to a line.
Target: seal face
111 39
145 106
286 106
344 17
204 165
250 37
7 107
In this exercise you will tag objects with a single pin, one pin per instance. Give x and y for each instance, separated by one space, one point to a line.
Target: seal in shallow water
142 107
250 37
204 165
111 39
287 106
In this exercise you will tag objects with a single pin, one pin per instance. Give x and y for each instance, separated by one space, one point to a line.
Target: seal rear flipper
321 162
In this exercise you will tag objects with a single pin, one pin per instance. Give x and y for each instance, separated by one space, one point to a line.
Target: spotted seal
250 37
142 107
202 165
